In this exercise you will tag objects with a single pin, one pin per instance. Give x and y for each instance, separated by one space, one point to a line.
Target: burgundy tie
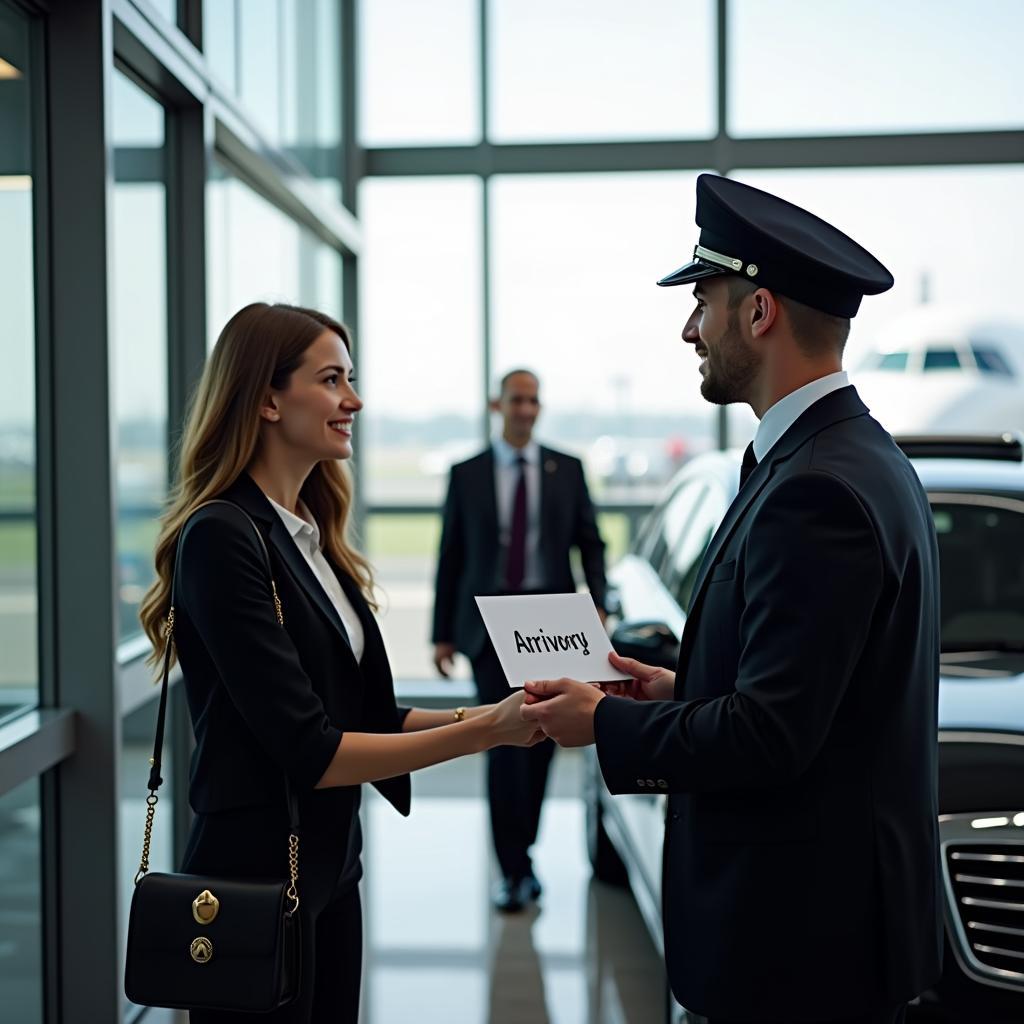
515 564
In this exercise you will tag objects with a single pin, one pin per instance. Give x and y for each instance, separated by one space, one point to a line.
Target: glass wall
19 634
877 67
21 905
257 253
280 59
138 337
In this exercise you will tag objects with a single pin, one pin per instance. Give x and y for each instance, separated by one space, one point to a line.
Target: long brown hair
258 349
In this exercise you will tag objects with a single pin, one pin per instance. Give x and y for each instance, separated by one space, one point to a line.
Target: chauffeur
797 739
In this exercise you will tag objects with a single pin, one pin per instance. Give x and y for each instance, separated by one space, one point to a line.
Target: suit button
674 816
662 784
650 782
640 782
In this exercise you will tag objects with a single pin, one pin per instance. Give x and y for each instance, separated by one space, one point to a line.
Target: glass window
574 261
874 66
680 572
892 361
420 352
19 634
311 88
672 520
257 253
561 69
941 359
138 339
220 38
981 573
419 72
259 57
989 360
21 902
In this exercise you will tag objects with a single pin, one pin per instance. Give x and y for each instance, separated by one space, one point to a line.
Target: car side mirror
653 643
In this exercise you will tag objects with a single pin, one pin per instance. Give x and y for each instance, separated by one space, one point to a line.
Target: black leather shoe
512 894
506 896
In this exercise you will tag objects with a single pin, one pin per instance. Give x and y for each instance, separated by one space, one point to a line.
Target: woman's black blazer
266 701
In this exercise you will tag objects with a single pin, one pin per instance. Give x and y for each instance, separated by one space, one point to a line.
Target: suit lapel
833 408
549 480
487 487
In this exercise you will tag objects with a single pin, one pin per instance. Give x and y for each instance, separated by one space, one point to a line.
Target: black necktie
749 463
515 564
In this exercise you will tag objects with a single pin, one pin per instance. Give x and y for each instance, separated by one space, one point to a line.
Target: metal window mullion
87 789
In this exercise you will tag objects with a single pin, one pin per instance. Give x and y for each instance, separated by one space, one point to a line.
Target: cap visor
691 272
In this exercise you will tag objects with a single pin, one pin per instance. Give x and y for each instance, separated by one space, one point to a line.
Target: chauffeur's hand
648 682
564 709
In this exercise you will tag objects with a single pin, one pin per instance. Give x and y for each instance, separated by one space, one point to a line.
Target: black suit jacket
469 562
801 860
266 701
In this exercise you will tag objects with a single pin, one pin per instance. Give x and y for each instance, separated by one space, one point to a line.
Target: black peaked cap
778 246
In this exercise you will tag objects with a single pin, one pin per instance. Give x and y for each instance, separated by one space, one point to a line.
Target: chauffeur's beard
731 367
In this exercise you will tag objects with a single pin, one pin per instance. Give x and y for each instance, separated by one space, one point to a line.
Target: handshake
564 708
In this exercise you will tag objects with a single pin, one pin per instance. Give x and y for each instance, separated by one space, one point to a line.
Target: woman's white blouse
306 534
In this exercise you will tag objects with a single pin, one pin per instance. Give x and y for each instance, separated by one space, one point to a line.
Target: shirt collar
302 525
786 411
506 455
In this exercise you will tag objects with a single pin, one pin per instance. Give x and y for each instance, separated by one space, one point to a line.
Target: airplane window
991 361
942 359
892 361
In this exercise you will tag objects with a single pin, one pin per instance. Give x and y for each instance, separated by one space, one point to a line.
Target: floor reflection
435 951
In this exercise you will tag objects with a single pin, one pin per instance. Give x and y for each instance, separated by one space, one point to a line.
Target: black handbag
196 942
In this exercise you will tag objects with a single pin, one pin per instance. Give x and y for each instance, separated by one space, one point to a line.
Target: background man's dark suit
470 563
801 880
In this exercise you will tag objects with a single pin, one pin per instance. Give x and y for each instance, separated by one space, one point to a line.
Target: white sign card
548 636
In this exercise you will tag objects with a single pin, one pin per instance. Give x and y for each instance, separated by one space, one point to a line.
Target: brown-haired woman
313 700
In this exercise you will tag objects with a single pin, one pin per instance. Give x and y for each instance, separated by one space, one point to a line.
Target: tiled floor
436 952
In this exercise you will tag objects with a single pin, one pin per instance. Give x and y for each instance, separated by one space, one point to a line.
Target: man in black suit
797 740
512 515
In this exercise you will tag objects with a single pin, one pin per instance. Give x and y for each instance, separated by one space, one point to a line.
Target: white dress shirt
786 411
306 534
506 477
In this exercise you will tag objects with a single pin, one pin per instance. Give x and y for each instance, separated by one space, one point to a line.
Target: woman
271 421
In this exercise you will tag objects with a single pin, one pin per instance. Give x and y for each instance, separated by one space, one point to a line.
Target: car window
669 521
679 572
989 360
892 361
981 572
942 359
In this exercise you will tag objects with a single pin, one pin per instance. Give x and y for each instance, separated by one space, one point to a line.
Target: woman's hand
648 682
505 725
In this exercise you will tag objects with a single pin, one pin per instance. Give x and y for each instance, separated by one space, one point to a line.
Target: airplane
942 370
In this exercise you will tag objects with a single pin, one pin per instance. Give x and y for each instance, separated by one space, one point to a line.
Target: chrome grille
986 884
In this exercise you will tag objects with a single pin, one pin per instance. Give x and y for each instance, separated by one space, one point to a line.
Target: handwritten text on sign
547 636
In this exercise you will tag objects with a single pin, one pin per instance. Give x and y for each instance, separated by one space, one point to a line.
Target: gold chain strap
277 602
293 870
148 835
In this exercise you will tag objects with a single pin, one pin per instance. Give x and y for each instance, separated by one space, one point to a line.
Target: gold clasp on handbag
205 907
201 950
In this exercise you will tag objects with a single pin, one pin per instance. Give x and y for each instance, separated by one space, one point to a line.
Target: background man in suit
797 739
512 515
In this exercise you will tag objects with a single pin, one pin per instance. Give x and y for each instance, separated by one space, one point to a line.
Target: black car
976 490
